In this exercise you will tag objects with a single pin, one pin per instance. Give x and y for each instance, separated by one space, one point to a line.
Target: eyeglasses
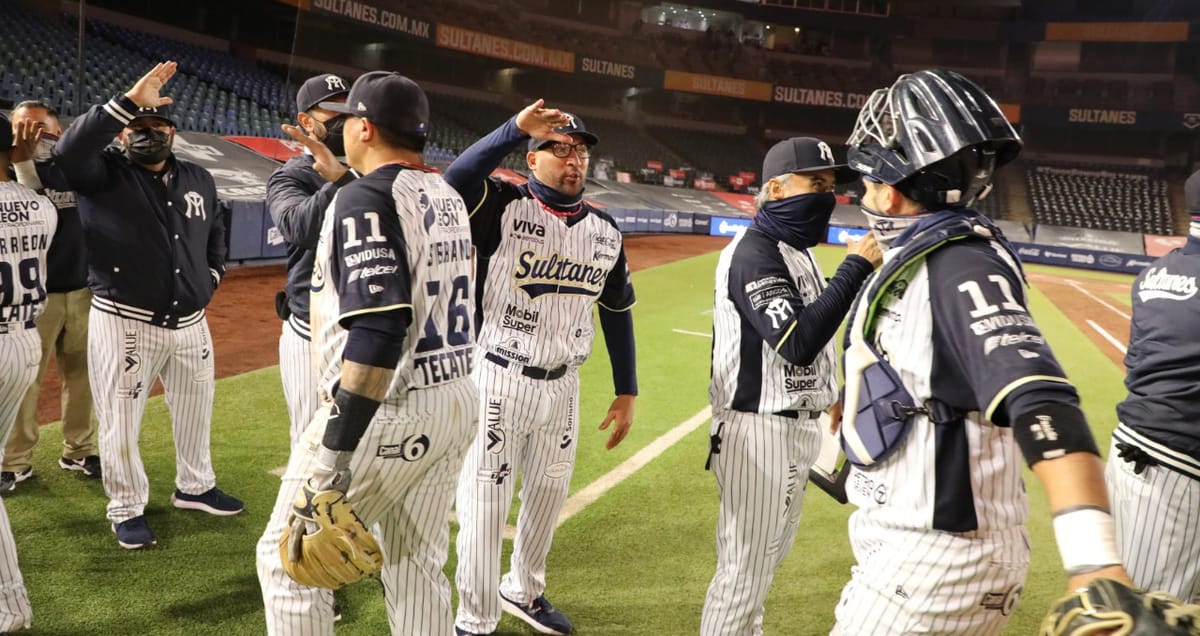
562 151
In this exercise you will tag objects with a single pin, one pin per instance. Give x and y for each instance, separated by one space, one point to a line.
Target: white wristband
1087 539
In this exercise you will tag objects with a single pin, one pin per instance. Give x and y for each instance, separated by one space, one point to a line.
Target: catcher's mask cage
934 135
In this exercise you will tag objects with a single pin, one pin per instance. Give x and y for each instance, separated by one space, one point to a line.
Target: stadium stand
1117 199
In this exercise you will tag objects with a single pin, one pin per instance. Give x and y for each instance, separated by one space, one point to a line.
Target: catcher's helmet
934 135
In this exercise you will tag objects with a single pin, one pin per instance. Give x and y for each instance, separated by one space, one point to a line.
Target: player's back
419 258
27 224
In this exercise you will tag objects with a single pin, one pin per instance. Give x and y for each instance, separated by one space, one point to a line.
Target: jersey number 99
30 288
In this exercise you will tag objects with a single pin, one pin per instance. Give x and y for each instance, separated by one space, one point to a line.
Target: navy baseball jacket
297 197
1163 361
156 242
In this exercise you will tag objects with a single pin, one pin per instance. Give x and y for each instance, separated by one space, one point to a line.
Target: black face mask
333 136
148 146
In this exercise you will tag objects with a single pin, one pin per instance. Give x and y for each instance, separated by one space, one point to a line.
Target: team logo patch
411 449
334 83
1158 283
428 215
130 393
558 470
557 274
132 361
195 205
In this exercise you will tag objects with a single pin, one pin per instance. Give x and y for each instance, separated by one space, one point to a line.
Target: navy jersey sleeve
487 214
468 174
762 289
295 208
78 153
369 262
216 235
617 294
982 331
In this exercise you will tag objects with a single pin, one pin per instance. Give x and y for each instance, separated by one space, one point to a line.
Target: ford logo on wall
1110 260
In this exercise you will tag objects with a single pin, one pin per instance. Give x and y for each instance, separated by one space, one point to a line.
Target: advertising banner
494 46
716 85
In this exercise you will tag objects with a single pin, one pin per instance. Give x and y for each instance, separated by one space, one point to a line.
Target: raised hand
145 93
539 122
324 161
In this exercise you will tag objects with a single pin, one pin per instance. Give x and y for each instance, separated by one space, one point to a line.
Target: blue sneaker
458 631
214 502
134 534
540 615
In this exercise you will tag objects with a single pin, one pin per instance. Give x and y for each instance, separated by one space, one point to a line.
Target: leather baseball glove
325 544
1106 607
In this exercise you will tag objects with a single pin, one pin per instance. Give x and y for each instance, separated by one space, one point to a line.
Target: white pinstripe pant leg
485 491
299 380
292 609
415 532
124 358
20 352
761 472
1157 515
547 463
189 385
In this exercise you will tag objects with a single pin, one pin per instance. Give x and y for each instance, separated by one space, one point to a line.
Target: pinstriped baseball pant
299 380
762 472
20 350
125 356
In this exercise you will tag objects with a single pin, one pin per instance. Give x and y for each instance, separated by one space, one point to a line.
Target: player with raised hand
546 258
391 314
949 382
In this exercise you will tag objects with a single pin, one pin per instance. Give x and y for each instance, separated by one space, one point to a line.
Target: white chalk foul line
1096 298
692 333
593 491
1108 336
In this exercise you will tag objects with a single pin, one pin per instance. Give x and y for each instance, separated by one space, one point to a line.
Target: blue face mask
800 221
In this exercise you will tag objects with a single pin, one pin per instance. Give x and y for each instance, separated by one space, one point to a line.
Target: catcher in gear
1109 608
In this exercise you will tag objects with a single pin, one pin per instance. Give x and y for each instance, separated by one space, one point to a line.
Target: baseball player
1153 470
773 372
391 317
545 258
156 252
947 379
63 324
297 195
27 224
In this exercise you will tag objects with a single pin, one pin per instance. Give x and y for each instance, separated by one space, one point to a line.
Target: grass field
637 561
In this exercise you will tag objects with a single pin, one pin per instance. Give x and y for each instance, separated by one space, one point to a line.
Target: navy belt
798 415
537 373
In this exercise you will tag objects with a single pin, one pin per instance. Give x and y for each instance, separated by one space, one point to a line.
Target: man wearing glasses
545 257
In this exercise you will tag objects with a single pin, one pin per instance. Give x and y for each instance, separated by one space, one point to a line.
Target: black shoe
133 533
89 466
213 501
337 611
458 631
540 615
9 479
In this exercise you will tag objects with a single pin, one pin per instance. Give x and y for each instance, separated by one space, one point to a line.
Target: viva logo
1161 284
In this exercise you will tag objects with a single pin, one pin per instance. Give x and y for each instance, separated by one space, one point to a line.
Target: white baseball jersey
27 224
950 496
756 277
396 239
541 274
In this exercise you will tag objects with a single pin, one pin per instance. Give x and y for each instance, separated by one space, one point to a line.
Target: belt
536 373
799 415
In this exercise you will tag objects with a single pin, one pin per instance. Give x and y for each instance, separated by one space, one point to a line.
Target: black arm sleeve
619 340
471 169
295 209
78 152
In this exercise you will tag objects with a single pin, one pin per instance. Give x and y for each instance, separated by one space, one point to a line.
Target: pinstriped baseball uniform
396 238
27 224
540 277
1153 470
765 412
939 535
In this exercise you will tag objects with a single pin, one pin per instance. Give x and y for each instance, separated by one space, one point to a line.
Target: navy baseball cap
803 154
574 126
319 88
390 100
160 112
